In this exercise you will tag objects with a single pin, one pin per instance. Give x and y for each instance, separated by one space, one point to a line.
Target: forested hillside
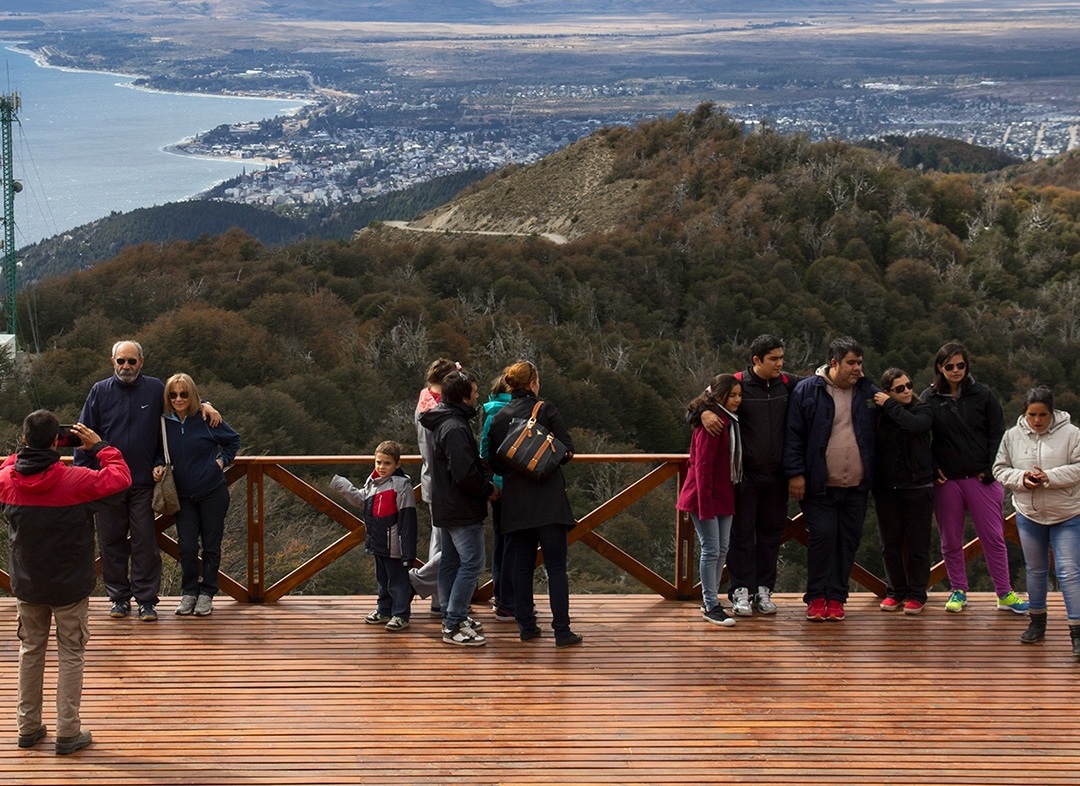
320 347
87 245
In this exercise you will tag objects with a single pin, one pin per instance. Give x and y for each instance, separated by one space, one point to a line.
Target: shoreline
42 61
277 106
175 150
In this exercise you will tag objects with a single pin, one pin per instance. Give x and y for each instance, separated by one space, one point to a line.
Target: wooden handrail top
584 458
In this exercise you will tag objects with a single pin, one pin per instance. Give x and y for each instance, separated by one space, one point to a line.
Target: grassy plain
674 57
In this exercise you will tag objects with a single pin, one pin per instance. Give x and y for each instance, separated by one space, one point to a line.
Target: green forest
320 347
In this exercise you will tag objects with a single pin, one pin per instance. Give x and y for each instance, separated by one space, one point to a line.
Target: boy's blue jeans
395 589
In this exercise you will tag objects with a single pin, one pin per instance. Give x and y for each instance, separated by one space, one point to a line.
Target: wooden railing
254 471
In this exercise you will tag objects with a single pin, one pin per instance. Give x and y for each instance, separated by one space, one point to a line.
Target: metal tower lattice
9 106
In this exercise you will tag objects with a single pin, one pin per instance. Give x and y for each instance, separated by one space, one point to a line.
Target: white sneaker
204 606
463 635
764 601
740 602
186 605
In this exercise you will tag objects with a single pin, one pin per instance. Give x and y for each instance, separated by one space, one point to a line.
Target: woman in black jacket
535 514
968 426
904 491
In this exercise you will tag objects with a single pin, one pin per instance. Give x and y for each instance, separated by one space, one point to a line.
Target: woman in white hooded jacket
1039 460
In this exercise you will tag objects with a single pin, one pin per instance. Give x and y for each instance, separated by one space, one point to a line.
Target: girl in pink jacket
708 494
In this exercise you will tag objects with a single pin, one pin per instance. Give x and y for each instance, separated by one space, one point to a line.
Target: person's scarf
734 444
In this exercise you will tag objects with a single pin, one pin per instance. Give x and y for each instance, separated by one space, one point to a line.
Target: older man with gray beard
126 410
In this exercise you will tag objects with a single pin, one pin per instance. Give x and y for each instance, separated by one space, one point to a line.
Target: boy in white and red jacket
390 521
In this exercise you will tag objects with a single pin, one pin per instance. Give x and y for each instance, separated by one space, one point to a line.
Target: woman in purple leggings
967 430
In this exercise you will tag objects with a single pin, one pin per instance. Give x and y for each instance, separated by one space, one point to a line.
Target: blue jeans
201 519
714 535
395 591
460 567
1064 539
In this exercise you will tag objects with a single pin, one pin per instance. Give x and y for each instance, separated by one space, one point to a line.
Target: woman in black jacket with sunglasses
903 491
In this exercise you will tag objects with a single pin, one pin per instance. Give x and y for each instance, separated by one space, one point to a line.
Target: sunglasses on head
129 361
958 366
902 388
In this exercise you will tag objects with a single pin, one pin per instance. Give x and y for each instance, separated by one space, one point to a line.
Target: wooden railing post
684 545
256 532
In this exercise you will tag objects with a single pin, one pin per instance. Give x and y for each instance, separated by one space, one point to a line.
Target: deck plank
303 692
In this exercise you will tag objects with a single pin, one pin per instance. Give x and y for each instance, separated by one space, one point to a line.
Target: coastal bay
88 144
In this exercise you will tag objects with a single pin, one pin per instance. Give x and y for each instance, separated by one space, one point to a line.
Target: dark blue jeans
502 565
395 589
756 529
552 540
201 519
835 520
124 514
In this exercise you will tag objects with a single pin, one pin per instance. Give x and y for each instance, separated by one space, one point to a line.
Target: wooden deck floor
303 692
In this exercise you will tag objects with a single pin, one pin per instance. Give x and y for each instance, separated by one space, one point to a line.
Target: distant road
557 239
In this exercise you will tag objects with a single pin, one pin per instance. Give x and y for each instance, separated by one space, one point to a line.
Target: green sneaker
1012 602
957 601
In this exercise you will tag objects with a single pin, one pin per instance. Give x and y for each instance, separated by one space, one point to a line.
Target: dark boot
1036 630
1074 631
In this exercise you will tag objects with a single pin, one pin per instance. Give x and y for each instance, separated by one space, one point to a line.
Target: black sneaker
529 634
120 609
147 612
568 639
718 616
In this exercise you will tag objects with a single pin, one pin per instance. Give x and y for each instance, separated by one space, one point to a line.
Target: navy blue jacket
194 448
809 426
128 417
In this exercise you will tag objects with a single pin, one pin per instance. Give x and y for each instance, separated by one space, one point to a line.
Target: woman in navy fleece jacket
199 454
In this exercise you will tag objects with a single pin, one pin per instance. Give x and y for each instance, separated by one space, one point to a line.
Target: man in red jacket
51 536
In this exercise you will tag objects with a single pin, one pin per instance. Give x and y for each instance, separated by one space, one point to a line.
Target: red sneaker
913 607
891 604
835 611
815 610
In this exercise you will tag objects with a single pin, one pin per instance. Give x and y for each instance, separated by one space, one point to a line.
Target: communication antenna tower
9 106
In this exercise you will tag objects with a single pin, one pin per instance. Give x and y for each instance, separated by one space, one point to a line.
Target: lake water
86 145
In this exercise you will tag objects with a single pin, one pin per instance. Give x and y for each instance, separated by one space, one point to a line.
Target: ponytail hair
520 375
